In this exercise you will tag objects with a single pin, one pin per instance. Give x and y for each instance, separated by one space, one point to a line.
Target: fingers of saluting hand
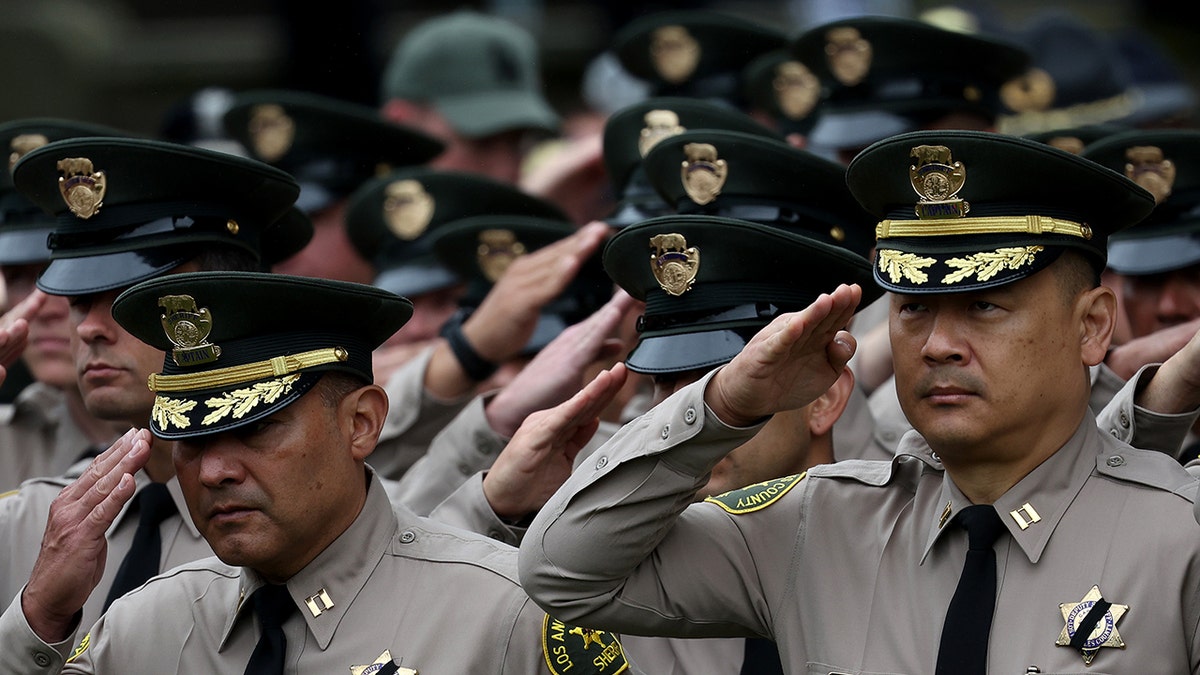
108 481
813 327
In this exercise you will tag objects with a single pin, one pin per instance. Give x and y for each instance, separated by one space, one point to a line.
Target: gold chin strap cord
249 372
989 225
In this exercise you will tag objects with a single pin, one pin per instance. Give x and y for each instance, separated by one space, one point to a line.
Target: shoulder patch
755 497
571 650
8 494
83 645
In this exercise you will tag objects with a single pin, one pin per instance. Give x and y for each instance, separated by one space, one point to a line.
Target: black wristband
475 366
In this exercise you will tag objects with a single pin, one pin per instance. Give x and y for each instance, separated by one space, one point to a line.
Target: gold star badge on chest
1091 624
384 665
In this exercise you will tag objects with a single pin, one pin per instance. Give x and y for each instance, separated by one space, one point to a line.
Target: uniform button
464 469
689 416
41 659
666 432
935 457
1114 433
889 436
602 462
1124 420
1115 461
407 537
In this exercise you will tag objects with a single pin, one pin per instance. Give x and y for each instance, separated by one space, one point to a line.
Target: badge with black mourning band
767 181
963 210
391 220
1166 162
710 283
574 650
632 132
151 206
270 338
1091 624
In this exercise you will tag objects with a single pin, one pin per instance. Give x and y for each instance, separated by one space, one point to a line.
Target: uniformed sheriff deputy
266 390
1008 535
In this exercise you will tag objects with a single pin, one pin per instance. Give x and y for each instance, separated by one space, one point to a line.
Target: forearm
1136 416
22 652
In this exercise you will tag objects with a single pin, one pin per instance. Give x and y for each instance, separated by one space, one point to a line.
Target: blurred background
126 63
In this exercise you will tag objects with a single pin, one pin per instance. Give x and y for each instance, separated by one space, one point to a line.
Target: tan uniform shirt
848 567
37 437
23 516
434 599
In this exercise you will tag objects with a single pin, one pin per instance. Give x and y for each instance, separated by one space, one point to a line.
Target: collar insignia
384 665
187 328
702 172
1091 624
407 208
937 178
319 602
675 53
271 131
1147 167
497 250
81 187
849 55
673 263
660 124
21 145
796 89
1030 92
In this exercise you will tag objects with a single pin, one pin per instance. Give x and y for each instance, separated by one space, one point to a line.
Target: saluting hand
74 548
789 363
14 329
539 458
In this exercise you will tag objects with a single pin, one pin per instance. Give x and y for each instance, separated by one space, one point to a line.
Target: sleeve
467 508
1140 427
611 548
22 652
414 418
466 446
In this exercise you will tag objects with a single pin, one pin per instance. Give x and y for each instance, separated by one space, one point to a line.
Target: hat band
988 225
249 372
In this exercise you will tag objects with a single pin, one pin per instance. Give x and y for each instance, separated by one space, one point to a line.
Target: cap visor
484 114
1153 255
856 129
106 272
412 280
685 351
24 246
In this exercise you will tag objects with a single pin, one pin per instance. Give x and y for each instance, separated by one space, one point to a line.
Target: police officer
127 210
267 391
992 246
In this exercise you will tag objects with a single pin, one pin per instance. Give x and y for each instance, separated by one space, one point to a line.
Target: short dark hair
1076 272
223 258
335 385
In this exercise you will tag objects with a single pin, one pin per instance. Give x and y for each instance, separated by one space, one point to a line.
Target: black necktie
272 605
969 618
762 658
154 505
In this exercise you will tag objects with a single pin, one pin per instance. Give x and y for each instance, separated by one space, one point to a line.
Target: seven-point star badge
1091 624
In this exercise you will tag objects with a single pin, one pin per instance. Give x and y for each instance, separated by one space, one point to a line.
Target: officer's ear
828 407
361 415
1097 311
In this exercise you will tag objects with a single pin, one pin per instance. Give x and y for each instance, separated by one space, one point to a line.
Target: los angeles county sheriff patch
83 645
755 497
572 650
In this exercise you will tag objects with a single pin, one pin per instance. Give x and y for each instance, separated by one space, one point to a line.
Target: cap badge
849 55
675 53
937 178
23 144
187 328
407 208
82 188
271 131
796 89
1091 624
497 250
703 173
1032 91
660 124
673 263
1146 166
384 665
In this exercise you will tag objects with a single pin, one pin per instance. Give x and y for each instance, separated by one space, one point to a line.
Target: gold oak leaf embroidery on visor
908 265
242 401
987 264
168 411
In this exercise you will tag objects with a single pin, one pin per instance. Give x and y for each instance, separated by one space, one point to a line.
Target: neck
97 431
983 481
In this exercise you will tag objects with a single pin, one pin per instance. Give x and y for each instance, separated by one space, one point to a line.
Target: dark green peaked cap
785 89
242 345
1166 162
964 210
130 209
389 218
710 283
330 146
760 179
24 226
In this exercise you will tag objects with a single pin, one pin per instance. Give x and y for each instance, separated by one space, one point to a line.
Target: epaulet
573 650
55 483
1149 468
874 472
755 497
